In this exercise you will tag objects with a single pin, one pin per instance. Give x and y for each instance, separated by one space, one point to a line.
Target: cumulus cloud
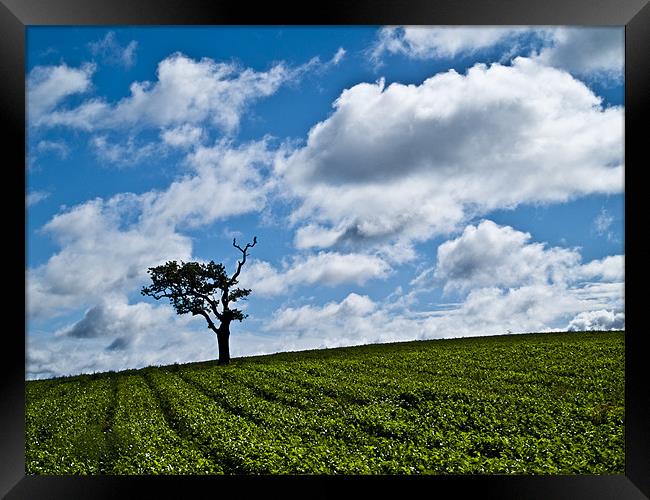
355 320
113 53
584 51
609 269
491 255
116 335
187 91
444 42
98 256
390 167
597 320
306 317
511 283
324 268
126 335
407 162
114 318
225 180
48 86
358 320
529 308
107 245
182 136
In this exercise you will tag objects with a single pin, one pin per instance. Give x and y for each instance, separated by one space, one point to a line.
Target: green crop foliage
547 403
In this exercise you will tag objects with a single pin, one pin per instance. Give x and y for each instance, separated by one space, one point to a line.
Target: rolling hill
550 403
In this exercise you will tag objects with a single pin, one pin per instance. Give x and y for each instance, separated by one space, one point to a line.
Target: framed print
366 247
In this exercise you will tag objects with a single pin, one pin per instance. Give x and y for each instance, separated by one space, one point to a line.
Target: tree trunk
223 339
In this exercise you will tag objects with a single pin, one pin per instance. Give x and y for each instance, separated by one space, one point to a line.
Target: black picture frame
16 15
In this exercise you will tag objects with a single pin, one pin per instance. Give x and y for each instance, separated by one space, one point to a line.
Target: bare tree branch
244 253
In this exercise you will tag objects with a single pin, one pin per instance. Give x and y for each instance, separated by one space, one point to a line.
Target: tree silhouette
205 290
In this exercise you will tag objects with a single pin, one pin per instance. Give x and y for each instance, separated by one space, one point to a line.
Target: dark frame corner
16 15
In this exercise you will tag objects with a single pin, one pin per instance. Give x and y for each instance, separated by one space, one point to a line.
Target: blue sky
403 182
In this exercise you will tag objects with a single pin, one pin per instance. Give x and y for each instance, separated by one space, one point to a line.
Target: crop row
341 438
142 441
65 433
533 372
239 443
493 424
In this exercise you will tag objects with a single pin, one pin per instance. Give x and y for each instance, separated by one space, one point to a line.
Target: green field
519 404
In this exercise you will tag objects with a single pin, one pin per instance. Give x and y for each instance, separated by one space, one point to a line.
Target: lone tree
203 289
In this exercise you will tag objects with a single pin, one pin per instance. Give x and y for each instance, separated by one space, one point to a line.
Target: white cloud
224 181
586 50
355 320
429 42
182 136
598 320
603 221
410 161
126 153
600 295
314 235
98 256
308 317
529 308
602 224
502 264
48 86
390 167
113 53
424 280
187 91
488 255
492 255
58 147
124 335
116 335
43 149
107 245
338 57
609 269
316 66
114 318
517 285
324 268
35 197
358 320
